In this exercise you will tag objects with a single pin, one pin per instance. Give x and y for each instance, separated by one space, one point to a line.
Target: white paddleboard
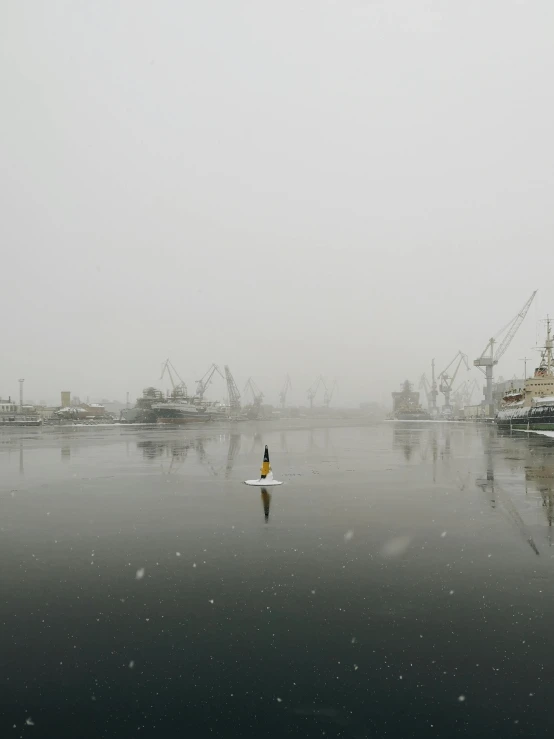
263 483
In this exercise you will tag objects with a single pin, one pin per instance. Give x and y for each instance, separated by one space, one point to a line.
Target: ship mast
548 346
545 366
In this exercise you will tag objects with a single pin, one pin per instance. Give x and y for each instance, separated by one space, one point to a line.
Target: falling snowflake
131 664
349 535
29 721
461 698
211 601
140 574
177 554
279 700
443 534
355 667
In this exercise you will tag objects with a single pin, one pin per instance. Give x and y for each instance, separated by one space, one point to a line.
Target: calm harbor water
400 584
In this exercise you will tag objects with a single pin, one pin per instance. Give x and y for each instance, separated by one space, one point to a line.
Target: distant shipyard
520 403
178 406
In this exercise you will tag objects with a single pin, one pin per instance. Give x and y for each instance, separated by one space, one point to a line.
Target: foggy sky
347 188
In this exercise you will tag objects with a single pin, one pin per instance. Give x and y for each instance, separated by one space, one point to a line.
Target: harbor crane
179 388
474 387
257 395
312 391
430 390
490 357
232 391
426 387
446 381
203 383
283 394
328 395
464 393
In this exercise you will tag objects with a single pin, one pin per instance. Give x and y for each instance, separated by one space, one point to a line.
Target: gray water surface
398 585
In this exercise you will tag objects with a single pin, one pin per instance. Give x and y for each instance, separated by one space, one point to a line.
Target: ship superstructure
533 405
406 406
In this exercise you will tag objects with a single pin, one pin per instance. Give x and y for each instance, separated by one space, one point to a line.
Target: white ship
183 410
176 410
532 407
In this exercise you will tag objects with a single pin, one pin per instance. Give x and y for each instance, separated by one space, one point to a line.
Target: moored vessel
17 421
532 407
406 406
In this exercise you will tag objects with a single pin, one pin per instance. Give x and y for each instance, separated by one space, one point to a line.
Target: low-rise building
8 407
474 411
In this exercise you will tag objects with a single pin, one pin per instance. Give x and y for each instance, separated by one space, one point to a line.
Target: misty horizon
341 189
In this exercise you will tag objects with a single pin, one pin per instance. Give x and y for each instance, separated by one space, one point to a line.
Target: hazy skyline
343 188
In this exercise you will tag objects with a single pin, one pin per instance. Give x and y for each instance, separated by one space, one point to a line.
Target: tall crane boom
464 393
232 390
328 395
426 387
179 388
203 383
446 381
312 391
283 394
489 357
430 389
257 395
514 326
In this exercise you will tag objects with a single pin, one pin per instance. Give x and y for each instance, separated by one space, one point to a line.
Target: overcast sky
347 188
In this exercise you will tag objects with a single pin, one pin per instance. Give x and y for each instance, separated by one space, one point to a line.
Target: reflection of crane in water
203 457
498 495
234 449
447 451
539 471
312 446
432 445
548 505
407 439
256 441
487 483
544 479
177 450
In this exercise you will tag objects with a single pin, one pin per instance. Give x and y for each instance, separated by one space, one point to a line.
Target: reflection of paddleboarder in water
266 467
266 502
